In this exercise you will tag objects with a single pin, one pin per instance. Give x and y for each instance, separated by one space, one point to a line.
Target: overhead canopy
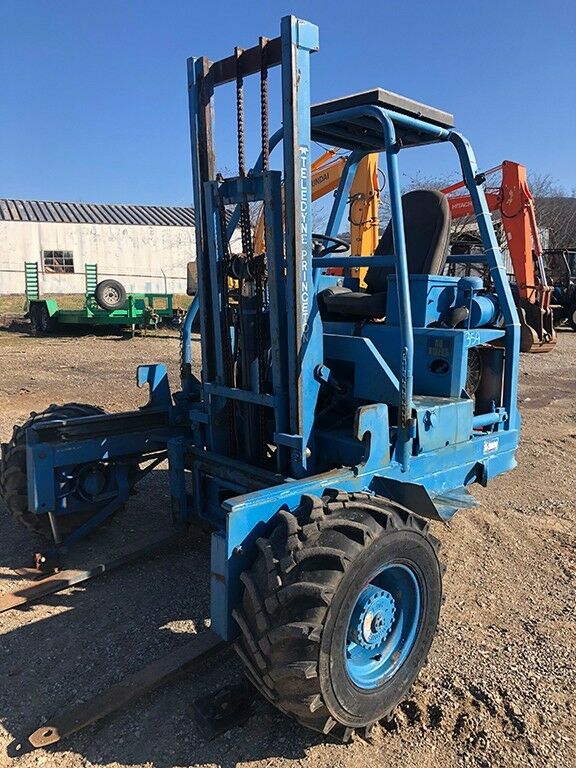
352 123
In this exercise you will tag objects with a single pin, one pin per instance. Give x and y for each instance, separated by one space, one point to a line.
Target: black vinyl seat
427 223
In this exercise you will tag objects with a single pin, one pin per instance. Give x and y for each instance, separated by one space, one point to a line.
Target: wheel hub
111 295
373 617
92 481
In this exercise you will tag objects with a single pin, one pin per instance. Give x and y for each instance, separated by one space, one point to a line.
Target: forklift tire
110 295
40 321
339 610
13 476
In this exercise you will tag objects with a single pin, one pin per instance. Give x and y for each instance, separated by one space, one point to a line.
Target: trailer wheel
13 476
339 610
110 294
40 321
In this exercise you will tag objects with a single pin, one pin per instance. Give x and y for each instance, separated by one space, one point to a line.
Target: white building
145 247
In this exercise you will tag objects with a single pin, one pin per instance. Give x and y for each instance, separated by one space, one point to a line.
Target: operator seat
427 223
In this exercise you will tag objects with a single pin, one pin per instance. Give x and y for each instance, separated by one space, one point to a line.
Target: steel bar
74 719
235 470
102 425
248 63
67 578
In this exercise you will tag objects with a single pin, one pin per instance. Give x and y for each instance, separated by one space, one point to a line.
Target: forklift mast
234 368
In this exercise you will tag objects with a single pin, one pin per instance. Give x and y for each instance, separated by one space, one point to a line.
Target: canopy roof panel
351 121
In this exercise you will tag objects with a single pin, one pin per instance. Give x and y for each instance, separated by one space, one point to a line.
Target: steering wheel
338 245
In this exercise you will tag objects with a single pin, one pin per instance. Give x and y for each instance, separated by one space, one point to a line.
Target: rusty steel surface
248 61
74 719
54 583
68 578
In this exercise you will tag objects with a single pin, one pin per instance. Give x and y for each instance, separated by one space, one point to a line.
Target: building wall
142 258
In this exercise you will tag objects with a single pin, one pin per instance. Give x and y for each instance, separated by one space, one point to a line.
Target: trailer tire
13 475
40 321
339 610
110 295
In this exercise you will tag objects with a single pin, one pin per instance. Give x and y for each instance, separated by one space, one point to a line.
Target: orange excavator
515 203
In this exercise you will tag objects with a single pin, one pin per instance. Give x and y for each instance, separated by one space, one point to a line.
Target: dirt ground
499 688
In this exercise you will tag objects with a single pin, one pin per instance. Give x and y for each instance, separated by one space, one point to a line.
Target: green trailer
106 304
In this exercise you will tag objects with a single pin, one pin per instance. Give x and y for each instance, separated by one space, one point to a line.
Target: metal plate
60 580
71 720
388 100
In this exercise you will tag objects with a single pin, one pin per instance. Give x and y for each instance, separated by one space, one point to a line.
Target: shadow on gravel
69 646
21 326
16 325
93 639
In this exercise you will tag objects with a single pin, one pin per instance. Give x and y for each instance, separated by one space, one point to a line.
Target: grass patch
12 304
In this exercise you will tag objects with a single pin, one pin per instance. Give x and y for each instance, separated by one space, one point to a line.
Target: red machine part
515 202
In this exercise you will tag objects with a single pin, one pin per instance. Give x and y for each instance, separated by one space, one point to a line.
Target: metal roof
95 213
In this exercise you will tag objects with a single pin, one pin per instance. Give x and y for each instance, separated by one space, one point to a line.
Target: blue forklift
331 421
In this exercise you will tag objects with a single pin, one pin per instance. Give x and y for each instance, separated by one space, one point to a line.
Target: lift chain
223 278
254 266
264 105
261 267
240 113
245 230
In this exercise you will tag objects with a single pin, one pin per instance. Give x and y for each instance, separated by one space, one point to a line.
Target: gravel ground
499 688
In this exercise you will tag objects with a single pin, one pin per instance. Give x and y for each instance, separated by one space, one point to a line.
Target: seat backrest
427 223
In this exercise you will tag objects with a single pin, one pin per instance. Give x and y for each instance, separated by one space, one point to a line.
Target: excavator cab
561 271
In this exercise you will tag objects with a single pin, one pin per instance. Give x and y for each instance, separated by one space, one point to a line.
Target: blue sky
93 101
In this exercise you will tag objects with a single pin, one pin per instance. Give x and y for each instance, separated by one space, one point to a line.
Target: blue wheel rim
383 626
